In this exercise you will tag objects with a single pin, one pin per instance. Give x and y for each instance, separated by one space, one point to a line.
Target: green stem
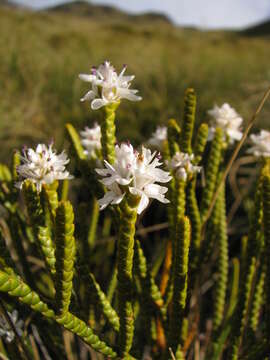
258 298
65 255
266 217
215 347
200 143
211 172
51 197
149 286
94 211
124 269
108 139
14 286
234 287
76 142
188 121
193 213
180 282
173 137
254 247
176 212
38 222
102 301
242 310
223 260
64 190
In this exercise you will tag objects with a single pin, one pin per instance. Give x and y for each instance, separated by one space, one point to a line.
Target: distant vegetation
41 55
262 29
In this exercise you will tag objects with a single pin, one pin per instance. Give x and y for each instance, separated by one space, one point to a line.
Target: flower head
91 140
181 164
43 166
261 144
6 330
158 137
136 172
226 118
121 172
108 87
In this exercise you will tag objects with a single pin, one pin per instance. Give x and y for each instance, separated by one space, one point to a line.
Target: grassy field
41 55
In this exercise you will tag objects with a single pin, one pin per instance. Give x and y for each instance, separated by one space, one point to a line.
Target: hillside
41 55
83 8
262 29
7 3
105 12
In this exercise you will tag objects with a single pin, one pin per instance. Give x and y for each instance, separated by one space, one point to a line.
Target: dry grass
41 55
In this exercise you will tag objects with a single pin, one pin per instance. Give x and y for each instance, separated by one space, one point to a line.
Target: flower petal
86 77
106 200
143 204
90 95
97 104
157 192
128 94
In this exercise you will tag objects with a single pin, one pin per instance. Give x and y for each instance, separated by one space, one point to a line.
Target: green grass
41 55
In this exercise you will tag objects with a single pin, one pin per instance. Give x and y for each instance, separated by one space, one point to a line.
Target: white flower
91 140
121 172
114 196
43 166
181 163
158 137
108 87
146 173
135 172
6 330
261 144
226 118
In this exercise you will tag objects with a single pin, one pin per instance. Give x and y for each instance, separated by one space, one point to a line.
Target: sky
199 13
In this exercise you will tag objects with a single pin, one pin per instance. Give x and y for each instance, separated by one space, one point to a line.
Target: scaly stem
235 153
108 133
173 137
177 211
211 173
223 262
254 248
38 222
188 121
14 286
180 282
65 255
124 268
266 217
258 298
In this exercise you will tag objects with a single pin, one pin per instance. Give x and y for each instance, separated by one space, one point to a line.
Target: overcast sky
202 13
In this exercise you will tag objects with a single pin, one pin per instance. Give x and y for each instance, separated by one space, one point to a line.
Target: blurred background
219 48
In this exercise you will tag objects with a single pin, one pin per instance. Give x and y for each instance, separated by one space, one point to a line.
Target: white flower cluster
181 164
91 140
5 329
43 166
226 118
136 172
158 137
261 144
108 87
